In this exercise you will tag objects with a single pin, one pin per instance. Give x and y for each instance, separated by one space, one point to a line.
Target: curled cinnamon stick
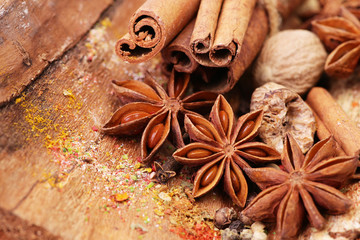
177 54
204 31
233 21
219 31
222 79
153 26
322 133
344 130
335 121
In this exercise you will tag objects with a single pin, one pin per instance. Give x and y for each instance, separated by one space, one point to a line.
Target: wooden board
59 173
35 33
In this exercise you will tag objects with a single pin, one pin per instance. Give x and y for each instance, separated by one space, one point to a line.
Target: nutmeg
284 112
292 58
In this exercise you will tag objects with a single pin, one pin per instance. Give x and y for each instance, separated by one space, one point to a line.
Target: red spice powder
198 231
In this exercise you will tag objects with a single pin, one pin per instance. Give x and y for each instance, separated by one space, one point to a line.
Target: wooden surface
57 172
35 33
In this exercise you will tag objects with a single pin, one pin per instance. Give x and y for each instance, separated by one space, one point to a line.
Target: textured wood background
56 63
69 97
35 33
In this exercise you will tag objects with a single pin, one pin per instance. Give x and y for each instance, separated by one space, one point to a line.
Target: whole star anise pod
341 36
154 111
308 184
223 145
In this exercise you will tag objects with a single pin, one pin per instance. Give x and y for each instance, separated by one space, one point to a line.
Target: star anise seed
155 112
341 36
306 186
223 146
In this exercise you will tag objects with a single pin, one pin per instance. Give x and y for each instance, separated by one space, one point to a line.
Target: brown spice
306 184
177 54
223 152
219 31
218 79
153 26
345 131
322 132
329 112
152 109
341 36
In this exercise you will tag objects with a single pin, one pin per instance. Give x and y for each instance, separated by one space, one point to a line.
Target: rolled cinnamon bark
153 26
232 25
322 133
336 122
219 31
220 28
177 54
204 31
344 130
223 79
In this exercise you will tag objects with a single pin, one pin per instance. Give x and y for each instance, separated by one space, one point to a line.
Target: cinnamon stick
233 22
204 31
218 34
344 130
177 54
222 79
331 119
322 133
153 26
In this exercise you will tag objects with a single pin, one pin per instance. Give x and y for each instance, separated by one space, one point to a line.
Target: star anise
308 184
353 6
341 36
154 111
223 146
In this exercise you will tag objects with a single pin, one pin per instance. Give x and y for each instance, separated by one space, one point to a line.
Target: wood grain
43 184
64 107
35 33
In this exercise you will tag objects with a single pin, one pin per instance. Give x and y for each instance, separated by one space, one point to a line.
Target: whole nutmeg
284 112
292 58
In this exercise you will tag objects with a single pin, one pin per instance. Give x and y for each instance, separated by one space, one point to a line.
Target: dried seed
234 181
209 176
224 119
133 115
256 152
273 165
245 129
198 153
205 131
155 135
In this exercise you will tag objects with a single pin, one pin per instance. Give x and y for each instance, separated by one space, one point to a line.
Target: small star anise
223 146
308 184
341 36
154 111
